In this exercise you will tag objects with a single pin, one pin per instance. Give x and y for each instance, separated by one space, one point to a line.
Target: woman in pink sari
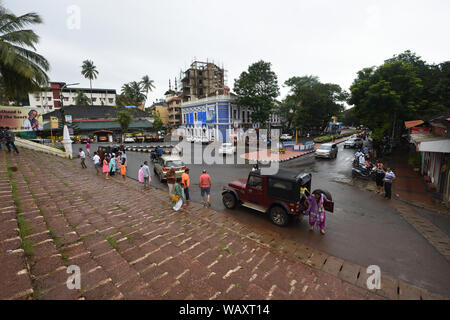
317 215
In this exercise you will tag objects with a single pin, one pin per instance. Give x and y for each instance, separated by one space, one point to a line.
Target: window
66 98
281 189
111 100
234 114
195 116
49 98
255 182
37 98
94 99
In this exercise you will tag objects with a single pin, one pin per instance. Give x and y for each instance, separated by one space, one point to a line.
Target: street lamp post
66 137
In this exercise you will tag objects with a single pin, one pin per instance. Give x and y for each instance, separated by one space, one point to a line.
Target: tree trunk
92 102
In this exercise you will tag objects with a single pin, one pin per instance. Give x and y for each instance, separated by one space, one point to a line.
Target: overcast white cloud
329 39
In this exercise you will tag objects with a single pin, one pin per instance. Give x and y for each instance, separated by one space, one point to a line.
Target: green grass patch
64 256
226 249
112 242
55 237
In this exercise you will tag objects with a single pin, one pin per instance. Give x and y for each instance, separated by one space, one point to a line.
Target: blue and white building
216 118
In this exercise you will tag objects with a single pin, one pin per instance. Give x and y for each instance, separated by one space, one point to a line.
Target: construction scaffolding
202 79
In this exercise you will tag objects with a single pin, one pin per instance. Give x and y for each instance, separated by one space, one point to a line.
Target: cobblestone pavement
130 244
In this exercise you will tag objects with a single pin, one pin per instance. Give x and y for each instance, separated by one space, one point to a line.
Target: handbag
328 205
175 197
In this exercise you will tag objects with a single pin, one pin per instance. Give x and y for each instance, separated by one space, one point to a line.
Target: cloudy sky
330 39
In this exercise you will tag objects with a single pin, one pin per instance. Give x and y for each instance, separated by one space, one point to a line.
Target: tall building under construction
202 79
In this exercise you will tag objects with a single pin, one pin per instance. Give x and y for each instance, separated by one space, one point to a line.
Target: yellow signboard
53 122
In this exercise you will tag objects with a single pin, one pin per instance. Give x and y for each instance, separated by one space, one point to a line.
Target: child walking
123 171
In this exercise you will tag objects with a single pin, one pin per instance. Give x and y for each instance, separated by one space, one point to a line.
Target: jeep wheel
229 200
279 216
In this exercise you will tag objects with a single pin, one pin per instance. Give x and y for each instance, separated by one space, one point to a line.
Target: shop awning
413 123
427 142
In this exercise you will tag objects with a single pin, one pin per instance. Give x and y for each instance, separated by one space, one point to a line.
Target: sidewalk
410 186
130 244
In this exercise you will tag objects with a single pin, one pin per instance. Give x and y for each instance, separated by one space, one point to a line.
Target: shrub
414 160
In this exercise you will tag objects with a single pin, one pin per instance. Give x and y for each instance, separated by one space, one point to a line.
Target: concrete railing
40 147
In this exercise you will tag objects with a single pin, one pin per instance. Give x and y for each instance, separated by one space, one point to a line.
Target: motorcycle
363 171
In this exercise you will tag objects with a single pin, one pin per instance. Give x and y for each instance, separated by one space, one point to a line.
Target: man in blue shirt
389 177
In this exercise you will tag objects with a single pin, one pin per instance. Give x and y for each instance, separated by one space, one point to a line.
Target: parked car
165 163
227 148
278 194
128 139
353 143
327 150
84 139
285 136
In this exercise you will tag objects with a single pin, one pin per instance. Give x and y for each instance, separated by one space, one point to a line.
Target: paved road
365 228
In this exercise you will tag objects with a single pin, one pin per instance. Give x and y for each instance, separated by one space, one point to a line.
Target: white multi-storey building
50 99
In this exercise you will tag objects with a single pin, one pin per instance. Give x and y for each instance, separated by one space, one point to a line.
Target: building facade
49 99
161 108
216 118
434 147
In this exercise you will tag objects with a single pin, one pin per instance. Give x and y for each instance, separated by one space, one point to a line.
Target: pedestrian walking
123 171
118 164
10 139
88 148
112 165
177 196
140 175
389 177
105 166
96 159
317 215
146 175
171 179
82 156
379 176
205 188
185 181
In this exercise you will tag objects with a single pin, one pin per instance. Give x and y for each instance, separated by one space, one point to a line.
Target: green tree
403 88
147 85
22 70
311 104
386 96
124 118
349 117
157 122
89 71
82 99
257 89
131 95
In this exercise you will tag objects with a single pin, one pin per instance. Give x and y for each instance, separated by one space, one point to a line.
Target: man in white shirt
83 157
362 160
96 159
32 124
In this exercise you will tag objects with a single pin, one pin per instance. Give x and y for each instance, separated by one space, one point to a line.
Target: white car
227 148
128 139
285 136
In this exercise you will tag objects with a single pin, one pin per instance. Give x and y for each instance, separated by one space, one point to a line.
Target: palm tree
81 99
147 85
89 71
21 70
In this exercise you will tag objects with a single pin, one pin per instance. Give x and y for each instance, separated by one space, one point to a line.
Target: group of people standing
108 163
179 186
384 178
8 137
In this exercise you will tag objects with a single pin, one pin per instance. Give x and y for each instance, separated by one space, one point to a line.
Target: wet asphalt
364 229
